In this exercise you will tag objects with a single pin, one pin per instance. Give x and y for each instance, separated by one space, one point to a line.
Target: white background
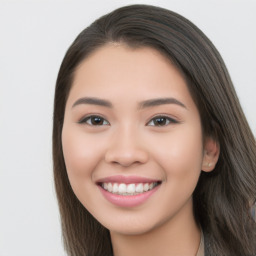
34 36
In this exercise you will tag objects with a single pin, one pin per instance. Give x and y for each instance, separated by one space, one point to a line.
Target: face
132 139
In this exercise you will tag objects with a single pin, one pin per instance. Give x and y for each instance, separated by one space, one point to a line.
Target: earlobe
211 154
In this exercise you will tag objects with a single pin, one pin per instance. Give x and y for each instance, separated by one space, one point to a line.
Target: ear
211 154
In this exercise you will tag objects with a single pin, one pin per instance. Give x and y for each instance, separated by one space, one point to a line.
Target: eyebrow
93 101
160 101
142 105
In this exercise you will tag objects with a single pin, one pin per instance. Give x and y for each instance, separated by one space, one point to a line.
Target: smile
128 189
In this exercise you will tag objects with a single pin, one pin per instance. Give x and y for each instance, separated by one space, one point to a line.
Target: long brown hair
222 198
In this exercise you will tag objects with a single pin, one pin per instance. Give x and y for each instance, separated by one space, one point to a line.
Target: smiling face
132 140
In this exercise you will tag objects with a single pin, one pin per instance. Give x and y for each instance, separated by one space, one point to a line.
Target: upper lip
126 179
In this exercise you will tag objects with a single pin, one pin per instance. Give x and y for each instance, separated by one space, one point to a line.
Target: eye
161 121
94 121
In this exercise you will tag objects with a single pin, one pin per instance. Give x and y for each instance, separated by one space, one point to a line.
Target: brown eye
161 121
94 121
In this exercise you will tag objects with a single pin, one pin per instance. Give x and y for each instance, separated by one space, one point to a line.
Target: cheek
81 154
180 154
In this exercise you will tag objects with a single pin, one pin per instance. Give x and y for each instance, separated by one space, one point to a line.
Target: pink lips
127 200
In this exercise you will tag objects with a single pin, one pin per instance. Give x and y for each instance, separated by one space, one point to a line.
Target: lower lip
128 201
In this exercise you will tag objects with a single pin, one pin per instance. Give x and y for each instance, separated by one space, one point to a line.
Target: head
224 190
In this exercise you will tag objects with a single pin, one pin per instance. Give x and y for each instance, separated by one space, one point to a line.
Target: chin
132 226
132 230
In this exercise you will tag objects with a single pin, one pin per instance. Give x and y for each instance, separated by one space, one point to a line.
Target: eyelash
162 117
88 120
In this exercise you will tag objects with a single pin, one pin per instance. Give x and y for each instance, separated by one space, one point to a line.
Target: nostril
125 163
126 157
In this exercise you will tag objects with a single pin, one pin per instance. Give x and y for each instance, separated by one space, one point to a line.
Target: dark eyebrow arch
160 101
93 101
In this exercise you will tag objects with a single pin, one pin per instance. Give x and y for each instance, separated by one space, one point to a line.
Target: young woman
152 152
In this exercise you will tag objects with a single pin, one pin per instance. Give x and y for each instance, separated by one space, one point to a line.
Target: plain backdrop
34 36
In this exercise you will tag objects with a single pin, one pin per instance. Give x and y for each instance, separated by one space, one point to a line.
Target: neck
177 236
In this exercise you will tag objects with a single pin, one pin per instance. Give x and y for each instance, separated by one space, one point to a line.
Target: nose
126 149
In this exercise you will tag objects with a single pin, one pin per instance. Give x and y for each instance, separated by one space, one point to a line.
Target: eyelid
171 120
84 119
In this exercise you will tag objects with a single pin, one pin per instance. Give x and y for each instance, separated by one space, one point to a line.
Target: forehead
118 55
119 71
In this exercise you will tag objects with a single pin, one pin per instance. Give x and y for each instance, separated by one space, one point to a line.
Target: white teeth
115 188
109 187
128 189
146 187
122 188
139 188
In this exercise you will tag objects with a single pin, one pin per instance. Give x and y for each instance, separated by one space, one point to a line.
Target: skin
127 142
